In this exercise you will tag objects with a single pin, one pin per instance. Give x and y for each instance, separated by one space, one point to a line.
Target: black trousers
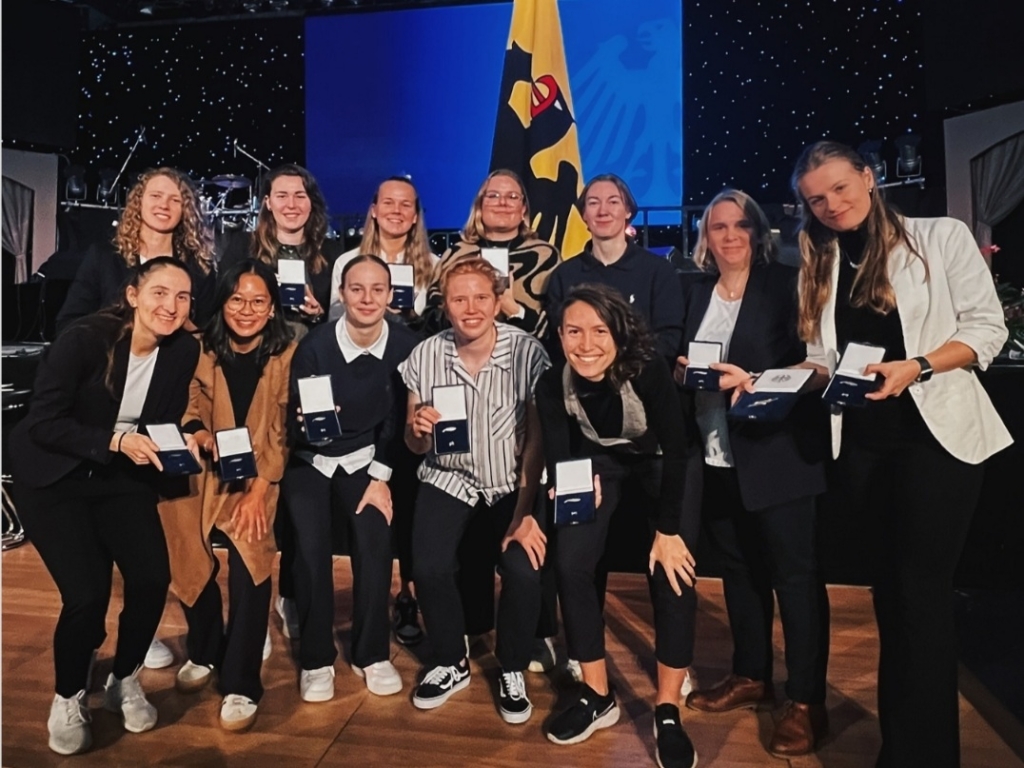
440 523
404 486
82 526
580 548
237 652
285 536
917 501
317 503
761 551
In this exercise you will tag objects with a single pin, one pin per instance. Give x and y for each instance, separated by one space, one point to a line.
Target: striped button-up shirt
496 400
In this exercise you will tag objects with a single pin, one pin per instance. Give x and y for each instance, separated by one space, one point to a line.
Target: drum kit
229 202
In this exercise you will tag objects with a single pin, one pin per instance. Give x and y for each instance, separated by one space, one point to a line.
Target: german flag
535 132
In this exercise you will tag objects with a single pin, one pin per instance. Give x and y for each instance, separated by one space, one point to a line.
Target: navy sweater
369 392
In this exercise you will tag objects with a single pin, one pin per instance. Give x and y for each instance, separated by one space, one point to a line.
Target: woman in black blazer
161 217
86 482
760 479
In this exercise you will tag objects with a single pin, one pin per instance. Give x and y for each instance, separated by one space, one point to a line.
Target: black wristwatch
926 369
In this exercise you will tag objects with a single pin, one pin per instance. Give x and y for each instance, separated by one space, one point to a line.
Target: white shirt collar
350 350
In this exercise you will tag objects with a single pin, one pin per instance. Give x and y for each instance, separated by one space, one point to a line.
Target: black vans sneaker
512 700
440 683
673 747
587 715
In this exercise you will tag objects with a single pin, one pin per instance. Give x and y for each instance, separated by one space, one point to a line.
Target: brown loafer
799 730
734 692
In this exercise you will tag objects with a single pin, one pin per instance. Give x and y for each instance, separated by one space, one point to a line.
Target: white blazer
956 302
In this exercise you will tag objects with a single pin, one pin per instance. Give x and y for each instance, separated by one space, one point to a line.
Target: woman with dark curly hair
161 217
614 402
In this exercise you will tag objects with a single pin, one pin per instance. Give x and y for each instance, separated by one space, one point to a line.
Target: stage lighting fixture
250 6
146 9
871 151
106 192
908 161
75 187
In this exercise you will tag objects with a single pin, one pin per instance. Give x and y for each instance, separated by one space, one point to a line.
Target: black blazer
101 280
775 462
72 414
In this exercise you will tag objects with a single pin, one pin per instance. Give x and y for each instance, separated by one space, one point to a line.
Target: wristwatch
926 369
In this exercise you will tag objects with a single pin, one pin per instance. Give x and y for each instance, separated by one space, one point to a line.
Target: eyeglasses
496 197
260 305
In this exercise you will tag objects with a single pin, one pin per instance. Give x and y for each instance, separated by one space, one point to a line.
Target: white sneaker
126 696
382 679
572 666
237 712
267 647
289 614
542 658
192 677
69 725
158 656
317 684
689 685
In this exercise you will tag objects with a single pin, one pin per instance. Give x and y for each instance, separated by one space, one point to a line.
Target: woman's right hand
205 440
679 372
423 421
140 449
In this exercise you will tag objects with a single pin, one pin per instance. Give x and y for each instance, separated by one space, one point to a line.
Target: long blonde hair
473 232
192 239
417 246
818 248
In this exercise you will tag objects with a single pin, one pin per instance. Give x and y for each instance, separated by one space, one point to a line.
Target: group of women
154 334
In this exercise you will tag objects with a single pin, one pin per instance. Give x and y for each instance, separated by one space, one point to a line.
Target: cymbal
230 181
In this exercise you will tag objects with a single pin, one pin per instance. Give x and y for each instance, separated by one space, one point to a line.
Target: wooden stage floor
358 729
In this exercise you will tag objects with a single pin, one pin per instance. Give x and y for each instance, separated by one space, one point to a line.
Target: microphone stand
138 140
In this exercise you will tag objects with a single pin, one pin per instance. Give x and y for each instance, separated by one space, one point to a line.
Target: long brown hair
473 232
264 245
417 246
192 239
884 231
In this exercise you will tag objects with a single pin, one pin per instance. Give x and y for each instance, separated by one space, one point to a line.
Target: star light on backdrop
196 88
764 78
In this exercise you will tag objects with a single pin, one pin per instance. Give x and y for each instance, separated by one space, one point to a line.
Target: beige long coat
188 520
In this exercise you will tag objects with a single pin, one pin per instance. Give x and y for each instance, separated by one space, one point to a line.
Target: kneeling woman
241 380
614 402
86 483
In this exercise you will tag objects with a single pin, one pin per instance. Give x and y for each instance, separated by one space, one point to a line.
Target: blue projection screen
416 92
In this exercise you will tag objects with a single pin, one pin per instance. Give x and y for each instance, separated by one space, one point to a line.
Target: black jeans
82 526
317 503
580 548
917 502
440 522
764 550
237 653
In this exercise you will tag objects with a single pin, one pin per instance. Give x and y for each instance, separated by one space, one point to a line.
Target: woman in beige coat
241 380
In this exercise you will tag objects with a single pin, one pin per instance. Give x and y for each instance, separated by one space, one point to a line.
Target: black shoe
587 715
407 624
512 700
440 683
673 747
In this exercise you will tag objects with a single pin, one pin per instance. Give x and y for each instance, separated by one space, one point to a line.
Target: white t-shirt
136 387
337 309
718 324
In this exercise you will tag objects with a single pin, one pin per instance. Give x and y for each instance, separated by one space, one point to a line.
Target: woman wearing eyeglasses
241 380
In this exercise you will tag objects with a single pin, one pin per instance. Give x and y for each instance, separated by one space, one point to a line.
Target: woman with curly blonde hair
161 217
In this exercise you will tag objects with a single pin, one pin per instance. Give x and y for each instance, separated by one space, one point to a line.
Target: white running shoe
289 613
158 656
127 697
574 669
689 684
382 679
317 684
192 677
69 725
267 647
542 658
237 712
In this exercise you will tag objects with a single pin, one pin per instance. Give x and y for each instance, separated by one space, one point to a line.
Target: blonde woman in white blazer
913 456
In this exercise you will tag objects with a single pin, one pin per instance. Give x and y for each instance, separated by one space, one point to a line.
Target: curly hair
634 344
192 238
264 243
417 245
761 241
885 230
473 232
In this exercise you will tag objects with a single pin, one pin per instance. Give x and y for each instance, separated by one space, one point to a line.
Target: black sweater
369 392
564 440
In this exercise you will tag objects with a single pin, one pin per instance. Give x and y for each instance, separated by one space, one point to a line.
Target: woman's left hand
674 556
897 376
249 517
732 375
377 495
193 445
